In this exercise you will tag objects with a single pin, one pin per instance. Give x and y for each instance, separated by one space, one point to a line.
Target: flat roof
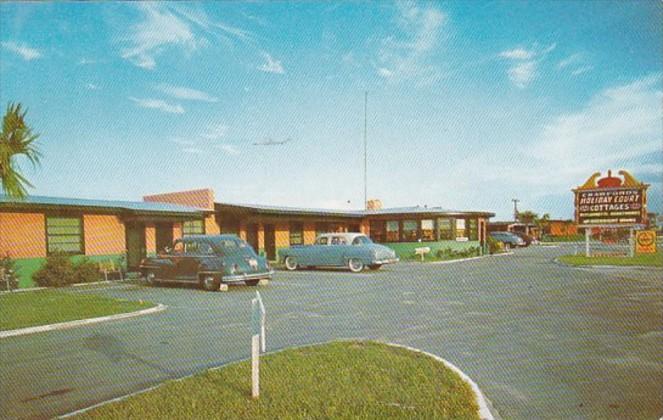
304 211
37 201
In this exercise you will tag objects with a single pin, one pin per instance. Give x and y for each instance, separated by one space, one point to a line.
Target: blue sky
470 103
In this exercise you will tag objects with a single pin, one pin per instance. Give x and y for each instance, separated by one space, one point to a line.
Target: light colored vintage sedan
352 250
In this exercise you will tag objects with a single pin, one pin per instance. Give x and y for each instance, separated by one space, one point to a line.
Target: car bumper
386 261
247 276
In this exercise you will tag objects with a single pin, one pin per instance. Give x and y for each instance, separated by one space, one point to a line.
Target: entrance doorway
270 242
135 242
252 236
164 236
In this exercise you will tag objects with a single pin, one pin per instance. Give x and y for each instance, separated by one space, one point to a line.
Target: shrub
495 246
56 271
8 278
86 271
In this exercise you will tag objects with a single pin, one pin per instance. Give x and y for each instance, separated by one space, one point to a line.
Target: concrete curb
33 289
81 322
485 413
608 267
471 258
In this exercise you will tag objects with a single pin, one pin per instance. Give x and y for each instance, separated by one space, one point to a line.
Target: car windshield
362 240
233 246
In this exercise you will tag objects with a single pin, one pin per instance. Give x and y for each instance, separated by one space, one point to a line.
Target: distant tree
543 223
527 217
16 140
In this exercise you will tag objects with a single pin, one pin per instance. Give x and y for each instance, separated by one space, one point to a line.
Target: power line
365 150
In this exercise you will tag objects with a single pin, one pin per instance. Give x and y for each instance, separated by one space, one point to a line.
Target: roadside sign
645 242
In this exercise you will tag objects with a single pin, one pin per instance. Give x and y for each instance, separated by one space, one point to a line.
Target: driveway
542 340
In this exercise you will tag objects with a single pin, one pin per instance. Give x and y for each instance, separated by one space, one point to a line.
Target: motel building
126 232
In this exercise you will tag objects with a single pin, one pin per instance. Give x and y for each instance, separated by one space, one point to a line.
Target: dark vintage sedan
207 260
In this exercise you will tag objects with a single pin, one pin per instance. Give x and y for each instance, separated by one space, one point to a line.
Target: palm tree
16 140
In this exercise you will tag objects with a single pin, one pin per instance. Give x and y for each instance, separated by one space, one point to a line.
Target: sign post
257 342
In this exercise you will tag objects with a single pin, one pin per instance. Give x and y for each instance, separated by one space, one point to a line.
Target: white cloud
406 57
193 150
91 86
159 104
570 60
518 54
522 74
525 63
159 29
618 128
228 148
185 93
26 52
271 65
581 70
215 132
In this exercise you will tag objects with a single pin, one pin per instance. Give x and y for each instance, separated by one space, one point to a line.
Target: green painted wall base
405 250
26 267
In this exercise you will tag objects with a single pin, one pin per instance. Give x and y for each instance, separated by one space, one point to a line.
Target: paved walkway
540 339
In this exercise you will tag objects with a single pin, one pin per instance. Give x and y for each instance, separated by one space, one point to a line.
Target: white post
587 237
631 244
255 366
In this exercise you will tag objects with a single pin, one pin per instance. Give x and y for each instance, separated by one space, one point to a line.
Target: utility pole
515 209
365 150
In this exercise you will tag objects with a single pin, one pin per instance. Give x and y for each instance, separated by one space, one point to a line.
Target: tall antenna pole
515 209
365 151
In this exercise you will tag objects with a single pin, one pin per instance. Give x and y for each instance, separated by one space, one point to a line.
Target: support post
631 244
588 234
255 366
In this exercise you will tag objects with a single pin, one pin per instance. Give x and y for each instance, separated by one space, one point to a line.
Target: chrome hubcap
355 265
209 282
290 263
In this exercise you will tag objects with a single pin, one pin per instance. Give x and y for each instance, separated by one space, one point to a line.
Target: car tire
291 263
355 265
252 282
151 278
375 267
210 283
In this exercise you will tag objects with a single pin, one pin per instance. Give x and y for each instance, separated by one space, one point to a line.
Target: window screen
64 234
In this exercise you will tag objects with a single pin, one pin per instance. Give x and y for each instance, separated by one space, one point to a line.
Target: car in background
352 250
509 239
208 261
526 238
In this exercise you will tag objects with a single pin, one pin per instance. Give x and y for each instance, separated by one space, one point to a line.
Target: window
338 240
296 233
460 229
193 227
392 231
446 228
428 230
409 233
322 241
64 234
473 230
377 230
191 247
320 228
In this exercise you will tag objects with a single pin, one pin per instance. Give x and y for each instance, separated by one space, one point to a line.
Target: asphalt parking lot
542 340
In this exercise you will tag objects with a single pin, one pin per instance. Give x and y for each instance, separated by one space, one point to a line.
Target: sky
470 104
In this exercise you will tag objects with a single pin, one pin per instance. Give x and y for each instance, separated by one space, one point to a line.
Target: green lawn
41 307
336 380
654 260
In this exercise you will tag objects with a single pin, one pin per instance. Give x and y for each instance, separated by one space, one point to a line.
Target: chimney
373 204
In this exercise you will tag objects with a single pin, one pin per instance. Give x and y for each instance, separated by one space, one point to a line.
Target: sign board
645 242
611 201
